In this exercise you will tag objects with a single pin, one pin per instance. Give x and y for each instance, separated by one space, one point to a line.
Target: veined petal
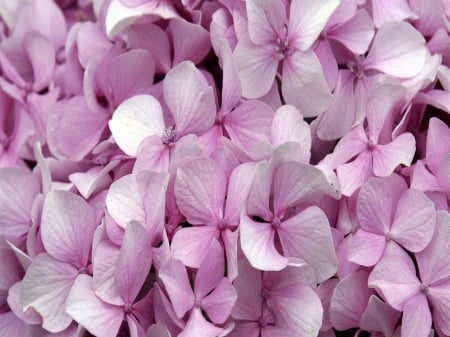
99 318
135 119
366 248
257 67
190 99
307 19
45 288
303 83
416 321
197 325
266 20
414 221
258 245
67 227
200 188
219 303
210 272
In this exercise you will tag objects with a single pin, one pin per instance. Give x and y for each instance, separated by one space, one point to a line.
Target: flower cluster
205 168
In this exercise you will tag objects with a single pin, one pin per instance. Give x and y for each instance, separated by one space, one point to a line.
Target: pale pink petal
414 221
287 126
397 50
246 328
297 307
130 275
439 298
307 236
366 248
190 99
152 154
197 325
438 146
356 33
395 279
231 90
422 179
266 21
257 242
12 326
325 291
304 84
230 243
29 316
18 189
432 261
67 227
135 119
307 19
379 316
73 118
295 183
386 11
257 67
175 279
258 200
219 303
193 49
377 203
190 244
249 123
416 321
104 268
248 288
387 157
41 54
210 272
349 300
99 318
45 288
200 188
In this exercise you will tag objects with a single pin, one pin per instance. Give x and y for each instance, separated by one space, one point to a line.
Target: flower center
357 67
127 308
282 48
265 293
169 135
276 222
424 288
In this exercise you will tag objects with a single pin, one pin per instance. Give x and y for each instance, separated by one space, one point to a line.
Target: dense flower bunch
202 168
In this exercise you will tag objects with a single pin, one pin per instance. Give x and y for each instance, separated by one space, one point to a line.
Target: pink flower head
273 39
270 217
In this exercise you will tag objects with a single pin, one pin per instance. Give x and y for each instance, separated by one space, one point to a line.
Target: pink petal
266 21
73 118
152 154
257 67
249 123
432 261
258 200
175 279
29 316
200 188
197 325
397 50
230 243
416 319
307 236
12 326
135 119
231 91
288 126
349 301
45 288
67 227
130 275
193 49
210 272
377 203
366 248
307 19
41 54
99 318
325 291
387 11
190 99
190 244
437 143
220 302
414 230
422 179
439 298
104 267
304 84
356 34
395 279
296 183
387 157
379 316
248 288
257 243
18 189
